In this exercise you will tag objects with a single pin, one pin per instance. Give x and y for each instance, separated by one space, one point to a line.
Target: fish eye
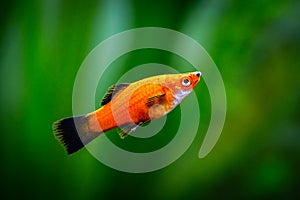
186 82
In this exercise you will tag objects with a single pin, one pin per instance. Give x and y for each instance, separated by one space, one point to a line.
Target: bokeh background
256 47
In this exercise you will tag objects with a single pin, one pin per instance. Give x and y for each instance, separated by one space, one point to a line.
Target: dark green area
256 47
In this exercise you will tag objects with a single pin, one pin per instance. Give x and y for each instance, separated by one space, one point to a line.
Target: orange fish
126 106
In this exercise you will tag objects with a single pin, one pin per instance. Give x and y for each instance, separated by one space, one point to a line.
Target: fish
126 106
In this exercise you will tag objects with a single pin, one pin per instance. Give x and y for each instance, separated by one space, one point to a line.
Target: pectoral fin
158 99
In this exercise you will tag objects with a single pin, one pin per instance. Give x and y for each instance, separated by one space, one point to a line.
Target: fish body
127 106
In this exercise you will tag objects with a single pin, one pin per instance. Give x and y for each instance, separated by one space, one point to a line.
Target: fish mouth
198 73
196 77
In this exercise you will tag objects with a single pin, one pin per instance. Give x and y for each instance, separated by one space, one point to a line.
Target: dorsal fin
114 89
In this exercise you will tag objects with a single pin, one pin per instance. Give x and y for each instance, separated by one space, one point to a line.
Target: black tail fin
73 137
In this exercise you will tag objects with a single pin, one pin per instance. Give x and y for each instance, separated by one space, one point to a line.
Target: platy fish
126 106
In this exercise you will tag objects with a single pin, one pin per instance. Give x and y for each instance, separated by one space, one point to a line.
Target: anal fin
126 129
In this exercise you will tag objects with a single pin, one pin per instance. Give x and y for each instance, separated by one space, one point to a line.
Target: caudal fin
73 137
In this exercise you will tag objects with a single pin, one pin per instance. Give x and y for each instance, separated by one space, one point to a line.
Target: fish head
182 84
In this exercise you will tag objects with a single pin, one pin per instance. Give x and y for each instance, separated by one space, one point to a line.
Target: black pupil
186 81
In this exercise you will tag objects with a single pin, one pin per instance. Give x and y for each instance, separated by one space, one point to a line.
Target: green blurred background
256 47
